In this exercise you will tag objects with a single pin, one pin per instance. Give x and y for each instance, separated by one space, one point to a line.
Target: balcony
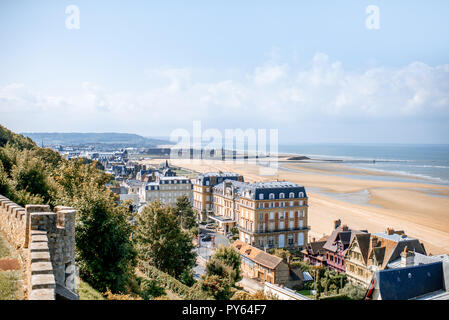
272 231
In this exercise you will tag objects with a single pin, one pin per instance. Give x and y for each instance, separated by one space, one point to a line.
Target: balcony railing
267 231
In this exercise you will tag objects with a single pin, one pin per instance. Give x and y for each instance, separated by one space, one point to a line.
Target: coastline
401 205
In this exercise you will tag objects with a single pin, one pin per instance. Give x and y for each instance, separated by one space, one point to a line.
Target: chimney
313 239
344 227
407 258
389 231
337 223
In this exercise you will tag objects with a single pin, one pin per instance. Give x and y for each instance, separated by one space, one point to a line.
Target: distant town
267 223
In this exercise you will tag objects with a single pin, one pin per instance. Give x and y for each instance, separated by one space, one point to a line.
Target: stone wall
13 222
46 241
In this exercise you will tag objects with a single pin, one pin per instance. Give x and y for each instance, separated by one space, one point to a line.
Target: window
292 195
301 195
281 195
290 239
271 215
260 196
300 239
271 196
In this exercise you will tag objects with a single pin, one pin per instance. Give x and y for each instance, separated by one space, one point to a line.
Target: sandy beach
362 199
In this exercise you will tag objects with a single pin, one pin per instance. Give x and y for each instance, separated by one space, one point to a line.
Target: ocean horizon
429 162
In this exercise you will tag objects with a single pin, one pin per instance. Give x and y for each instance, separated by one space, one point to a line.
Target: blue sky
310 69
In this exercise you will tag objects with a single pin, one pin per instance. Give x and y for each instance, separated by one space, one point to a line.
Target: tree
216 286
283 254
185 212
225 262
160 240
104 250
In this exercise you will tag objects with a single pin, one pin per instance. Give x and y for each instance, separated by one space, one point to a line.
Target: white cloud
271 95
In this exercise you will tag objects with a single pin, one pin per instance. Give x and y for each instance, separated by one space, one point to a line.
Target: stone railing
46 241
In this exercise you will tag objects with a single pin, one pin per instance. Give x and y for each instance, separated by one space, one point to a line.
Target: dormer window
271 196
261 196
291 195
281 195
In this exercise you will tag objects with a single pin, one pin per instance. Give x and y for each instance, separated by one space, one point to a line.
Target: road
205 250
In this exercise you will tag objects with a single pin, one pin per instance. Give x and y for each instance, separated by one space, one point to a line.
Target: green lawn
4 247
86 292
9 285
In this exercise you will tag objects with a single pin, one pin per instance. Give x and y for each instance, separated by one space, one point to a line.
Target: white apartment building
167 190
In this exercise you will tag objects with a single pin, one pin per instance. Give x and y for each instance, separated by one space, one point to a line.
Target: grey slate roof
411 282
253 190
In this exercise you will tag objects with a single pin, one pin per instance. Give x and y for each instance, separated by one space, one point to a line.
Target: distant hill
77 138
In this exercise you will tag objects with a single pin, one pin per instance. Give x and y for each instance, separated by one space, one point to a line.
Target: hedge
172 284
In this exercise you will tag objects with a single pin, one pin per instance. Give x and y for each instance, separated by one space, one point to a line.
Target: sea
428 162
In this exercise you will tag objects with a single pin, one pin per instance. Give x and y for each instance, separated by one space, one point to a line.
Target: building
412 276
337 244
167 190
267 214
371 252
202 191
314 252
258 264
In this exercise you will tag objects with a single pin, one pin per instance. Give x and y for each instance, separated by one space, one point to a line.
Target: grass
86 292
4 248
9 285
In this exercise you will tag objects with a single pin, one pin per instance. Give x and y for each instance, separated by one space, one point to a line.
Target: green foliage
30 174
33 175
185 212
150 289
283 254
170 283
303 265
105 253
86 292
160 240
18 141
219 287
225 262
353 292
222 272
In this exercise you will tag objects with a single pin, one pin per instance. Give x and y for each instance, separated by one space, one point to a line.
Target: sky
311 69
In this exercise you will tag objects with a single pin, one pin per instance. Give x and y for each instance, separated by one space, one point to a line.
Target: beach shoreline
420 209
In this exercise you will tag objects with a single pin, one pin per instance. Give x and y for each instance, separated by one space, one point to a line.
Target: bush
170 283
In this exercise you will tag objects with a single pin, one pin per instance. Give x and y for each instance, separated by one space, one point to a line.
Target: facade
314 252
202 191
167 190
337 244
371 252
267 214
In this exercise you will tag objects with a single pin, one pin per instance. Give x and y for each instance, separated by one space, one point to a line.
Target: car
229 234
206 237
210 226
